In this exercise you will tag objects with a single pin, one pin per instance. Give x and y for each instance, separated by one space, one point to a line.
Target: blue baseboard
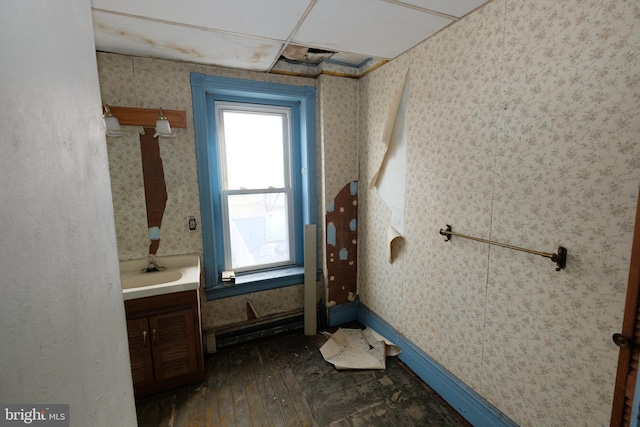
343 313
469 404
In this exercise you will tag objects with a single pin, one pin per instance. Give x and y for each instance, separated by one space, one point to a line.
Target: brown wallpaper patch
155 188
342 241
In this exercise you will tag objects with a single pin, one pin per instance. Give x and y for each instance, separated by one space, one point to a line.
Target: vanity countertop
181 273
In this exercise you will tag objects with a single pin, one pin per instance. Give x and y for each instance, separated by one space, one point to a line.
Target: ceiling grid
347 38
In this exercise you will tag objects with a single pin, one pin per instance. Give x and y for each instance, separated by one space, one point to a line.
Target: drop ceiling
303 37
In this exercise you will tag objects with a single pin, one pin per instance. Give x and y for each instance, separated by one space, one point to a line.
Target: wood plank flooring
283 381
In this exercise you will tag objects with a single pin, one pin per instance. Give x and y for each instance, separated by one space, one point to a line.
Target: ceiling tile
367 27
350 58
133 36
273 19
457 8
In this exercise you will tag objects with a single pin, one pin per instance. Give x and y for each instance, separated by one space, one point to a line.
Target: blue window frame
300 101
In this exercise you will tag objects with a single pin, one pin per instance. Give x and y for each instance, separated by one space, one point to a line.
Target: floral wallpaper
227 311
338 133
523 128
338 99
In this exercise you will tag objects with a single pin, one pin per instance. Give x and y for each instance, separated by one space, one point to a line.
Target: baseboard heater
261 327
253 329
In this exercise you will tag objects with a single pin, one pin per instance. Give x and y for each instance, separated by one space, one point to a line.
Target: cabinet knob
154 337
144 338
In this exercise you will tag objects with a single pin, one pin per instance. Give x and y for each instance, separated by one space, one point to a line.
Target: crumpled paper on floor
358 349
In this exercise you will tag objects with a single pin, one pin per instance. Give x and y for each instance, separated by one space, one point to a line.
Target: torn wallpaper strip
389 178
358 349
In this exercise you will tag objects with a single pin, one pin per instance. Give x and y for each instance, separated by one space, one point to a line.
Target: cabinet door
140 351
173 338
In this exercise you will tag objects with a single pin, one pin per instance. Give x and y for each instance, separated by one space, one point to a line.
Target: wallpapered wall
148 83
523 127
338 163
338 110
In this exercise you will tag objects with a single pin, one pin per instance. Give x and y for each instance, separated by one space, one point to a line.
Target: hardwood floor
284 381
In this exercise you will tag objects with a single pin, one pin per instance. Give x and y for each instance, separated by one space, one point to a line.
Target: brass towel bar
560 258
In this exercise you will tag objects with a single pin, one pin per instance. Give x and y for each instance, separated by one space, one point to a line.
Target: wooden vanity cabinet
165 341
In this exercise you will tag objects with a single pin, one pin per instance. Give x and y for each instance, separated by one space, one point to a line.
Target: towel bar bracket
559 258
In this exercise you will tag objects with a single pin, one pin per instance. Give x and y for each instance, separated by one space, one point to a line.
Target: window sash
289 229
226 193
273 110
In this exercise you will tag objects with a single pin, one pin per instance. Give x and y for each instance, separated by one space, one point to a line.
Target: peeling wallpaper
523 128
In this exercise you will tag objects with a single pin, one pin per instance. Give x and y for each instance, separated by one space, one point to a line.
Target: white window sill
259 281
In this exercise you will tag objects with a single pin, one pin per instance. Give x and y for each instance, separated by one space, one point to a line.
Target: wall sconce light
115 117
162 127
111 123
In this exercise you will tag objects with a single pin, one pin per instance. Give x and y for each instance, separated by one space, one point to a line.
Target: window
255 189
255 149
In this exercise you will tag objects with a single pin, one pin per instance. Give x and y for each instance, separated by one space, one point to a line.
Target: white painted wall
62 324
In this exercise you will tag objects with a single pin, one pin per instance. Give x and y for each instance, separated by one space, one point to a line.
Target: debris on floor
357 349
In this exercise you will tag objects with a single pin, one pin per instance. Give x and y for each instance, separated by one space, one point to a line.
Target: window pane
254 150
258 229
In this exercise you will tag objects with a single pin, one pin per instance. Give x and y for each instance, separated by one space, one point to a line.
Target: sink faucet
152 264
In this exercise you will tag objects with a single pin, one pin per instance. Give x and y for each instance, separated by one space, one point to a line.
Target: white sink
181 273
